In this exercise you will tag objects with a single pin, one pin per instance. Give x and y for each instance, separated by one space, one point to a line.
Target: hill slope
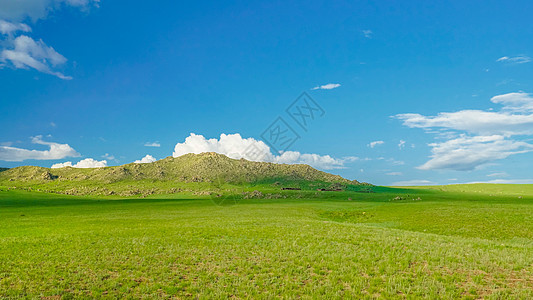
191 172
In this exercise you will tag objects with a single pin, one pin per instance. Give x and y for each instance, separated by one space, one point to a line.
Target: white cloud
152 144
488 133
9 28
23 52
26 53
56 151
506 181
467 153
498 174
367 33
519 103
521 59
62 165
515 102
328 86
395 162
473 121
145 160
375 143
315 160
236 147
401 144
414 182
350 158
108 156
391 160
394 173
18 10
84 164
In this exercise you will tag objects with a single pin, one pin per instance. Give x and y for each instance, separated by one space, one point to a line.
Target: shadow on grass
26 199
22 199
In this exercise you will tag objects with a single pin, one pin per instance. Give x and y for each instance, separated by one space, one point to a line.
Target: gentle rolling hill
190 173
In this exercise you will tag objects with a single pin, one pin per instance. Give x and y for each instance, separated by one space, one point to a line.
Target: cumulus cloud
231 145
318 161
375 143
152 144
521 59
328 86
84 164
236 147
56 151
477 137
22 51
62 165
146 160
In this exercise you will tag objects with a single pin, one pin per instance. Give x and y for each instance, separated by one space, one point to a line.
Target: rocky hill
190 171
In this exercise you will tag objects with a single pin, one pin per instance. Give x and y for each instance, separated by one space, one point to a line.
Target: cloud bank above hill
477 137
237 147
145 160
84 163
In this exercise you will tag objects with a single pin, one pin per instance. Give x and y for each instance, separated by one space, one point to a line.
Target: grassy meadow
469 241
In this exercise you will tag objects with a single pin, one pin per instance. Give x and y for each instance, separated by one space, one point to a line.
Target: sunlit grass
445 245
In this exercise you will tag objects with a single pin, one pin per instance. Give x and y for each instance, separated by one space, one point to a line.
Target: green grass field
469 241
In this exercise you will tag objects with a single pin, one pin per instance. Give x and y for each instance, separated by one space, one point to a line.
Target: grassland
436 242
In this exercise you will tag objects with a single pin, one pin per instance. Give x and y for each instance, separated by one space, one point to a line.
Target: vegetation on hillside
194 173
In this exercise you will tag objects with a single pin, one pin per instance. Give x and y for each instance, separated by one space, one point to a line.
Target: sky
391 93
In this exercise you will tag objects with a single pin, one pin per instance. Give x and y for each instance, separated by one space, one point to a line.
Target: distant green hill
188 173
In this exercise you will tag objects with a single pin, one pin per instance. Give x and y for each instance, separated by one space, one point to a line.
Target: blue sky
411 93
